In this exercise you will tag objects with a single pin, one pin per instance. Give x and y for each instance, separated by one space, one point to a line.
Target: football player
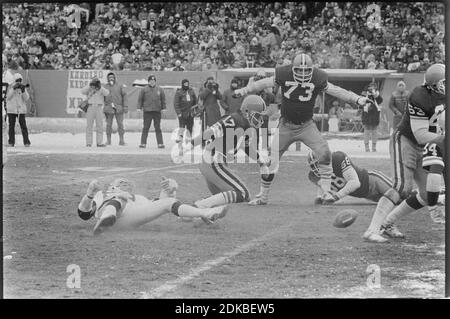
433 162
120 206
300 84
348 180
416 129
223 140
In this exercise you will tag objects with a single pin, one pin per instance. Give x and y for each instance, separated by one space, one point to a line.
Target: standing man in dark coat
152 100
398 103
183 101
231 104
209 96
116 104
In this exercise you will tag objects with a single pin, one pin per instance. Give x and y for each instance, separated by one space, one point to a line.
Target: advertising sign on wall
77 79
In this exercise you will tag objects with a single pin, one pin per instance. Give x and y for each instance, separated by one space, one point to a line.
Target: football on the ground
345 218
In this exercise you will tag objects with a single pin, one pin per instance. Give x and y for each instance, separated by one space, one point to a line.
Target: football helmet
121 184
253 108
302 68
313 162
435 78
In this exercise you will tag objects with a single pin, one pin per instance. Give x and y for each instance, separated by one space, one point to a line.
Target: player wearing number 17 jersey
300 84
417 128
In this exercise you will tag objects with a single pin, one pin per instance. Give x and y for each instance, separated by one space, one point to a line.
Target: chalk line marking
172 285
154 169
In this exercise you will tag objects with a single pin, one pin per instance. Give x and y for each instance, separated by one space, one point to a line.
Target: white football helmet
302 68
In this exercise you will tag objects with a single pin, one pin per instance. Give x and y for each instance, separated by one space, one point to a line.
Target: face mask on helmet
302 68
255 119
122 184
302 74
314 164
439 87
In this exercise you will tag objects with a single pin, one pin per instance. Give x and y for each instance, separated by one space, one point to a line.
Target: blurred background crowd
406 37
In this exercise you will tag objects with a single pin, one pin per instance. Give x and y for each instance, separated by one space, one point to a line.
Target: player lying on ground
417 128
121 207
348 180
300 84
226 137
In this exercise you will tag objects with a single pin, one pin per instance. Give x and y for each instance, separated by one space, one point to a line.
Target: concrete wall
49 87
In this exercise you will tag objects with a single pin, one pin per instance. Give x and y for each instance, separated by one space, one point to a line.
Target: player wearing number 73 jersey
417 128
300 84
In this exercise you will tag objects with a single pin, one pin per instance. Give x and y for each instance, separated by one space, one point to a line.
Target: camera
95 83
20 86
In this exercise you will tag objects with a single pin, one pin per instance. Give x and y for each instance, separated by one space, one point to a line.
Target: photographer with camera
96 100
371 116
16 106
210 96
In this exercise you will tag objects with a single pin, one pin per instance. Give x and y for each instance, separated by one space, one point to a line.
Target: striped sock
265 188
325 172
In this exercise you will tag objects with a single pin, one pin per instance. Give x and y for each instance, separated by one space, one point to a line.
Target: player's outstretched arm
85 208
353 182
344 94
256 86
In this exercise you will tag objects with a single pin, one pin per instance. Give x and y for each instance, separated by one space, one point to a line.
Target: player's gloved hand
240 92
362 100
94 187
329 197
168 187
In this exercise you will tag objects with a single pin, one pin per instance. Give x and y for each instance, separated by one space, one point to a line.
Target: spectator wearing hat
152 101
210 96
371 117
96 99
230 103
398 103
16 106
183 101
178 66
116 105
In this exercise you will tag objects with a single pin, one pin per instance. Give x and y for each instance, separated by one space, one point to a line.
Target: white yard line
108 176
172 285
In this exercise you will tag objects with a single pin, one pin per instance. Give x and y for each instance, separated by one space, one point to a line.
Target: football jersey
298 99
220 143
422 104
340 163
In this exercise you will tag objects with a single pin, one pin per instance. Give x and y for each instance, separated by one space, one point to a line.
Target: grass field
287 249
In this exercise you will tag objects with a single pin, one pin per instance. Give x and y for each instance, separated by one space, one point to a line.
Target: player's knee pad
85 215
416 201
175 206
394 196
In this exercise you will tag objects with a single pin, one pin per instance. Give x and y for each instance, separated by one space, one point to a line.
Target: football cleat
102 223
257 201
392 231
437 215
374 237
214 214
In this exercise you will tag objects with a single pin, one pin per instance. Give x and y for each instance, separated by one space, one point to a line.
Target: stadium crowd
407 37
